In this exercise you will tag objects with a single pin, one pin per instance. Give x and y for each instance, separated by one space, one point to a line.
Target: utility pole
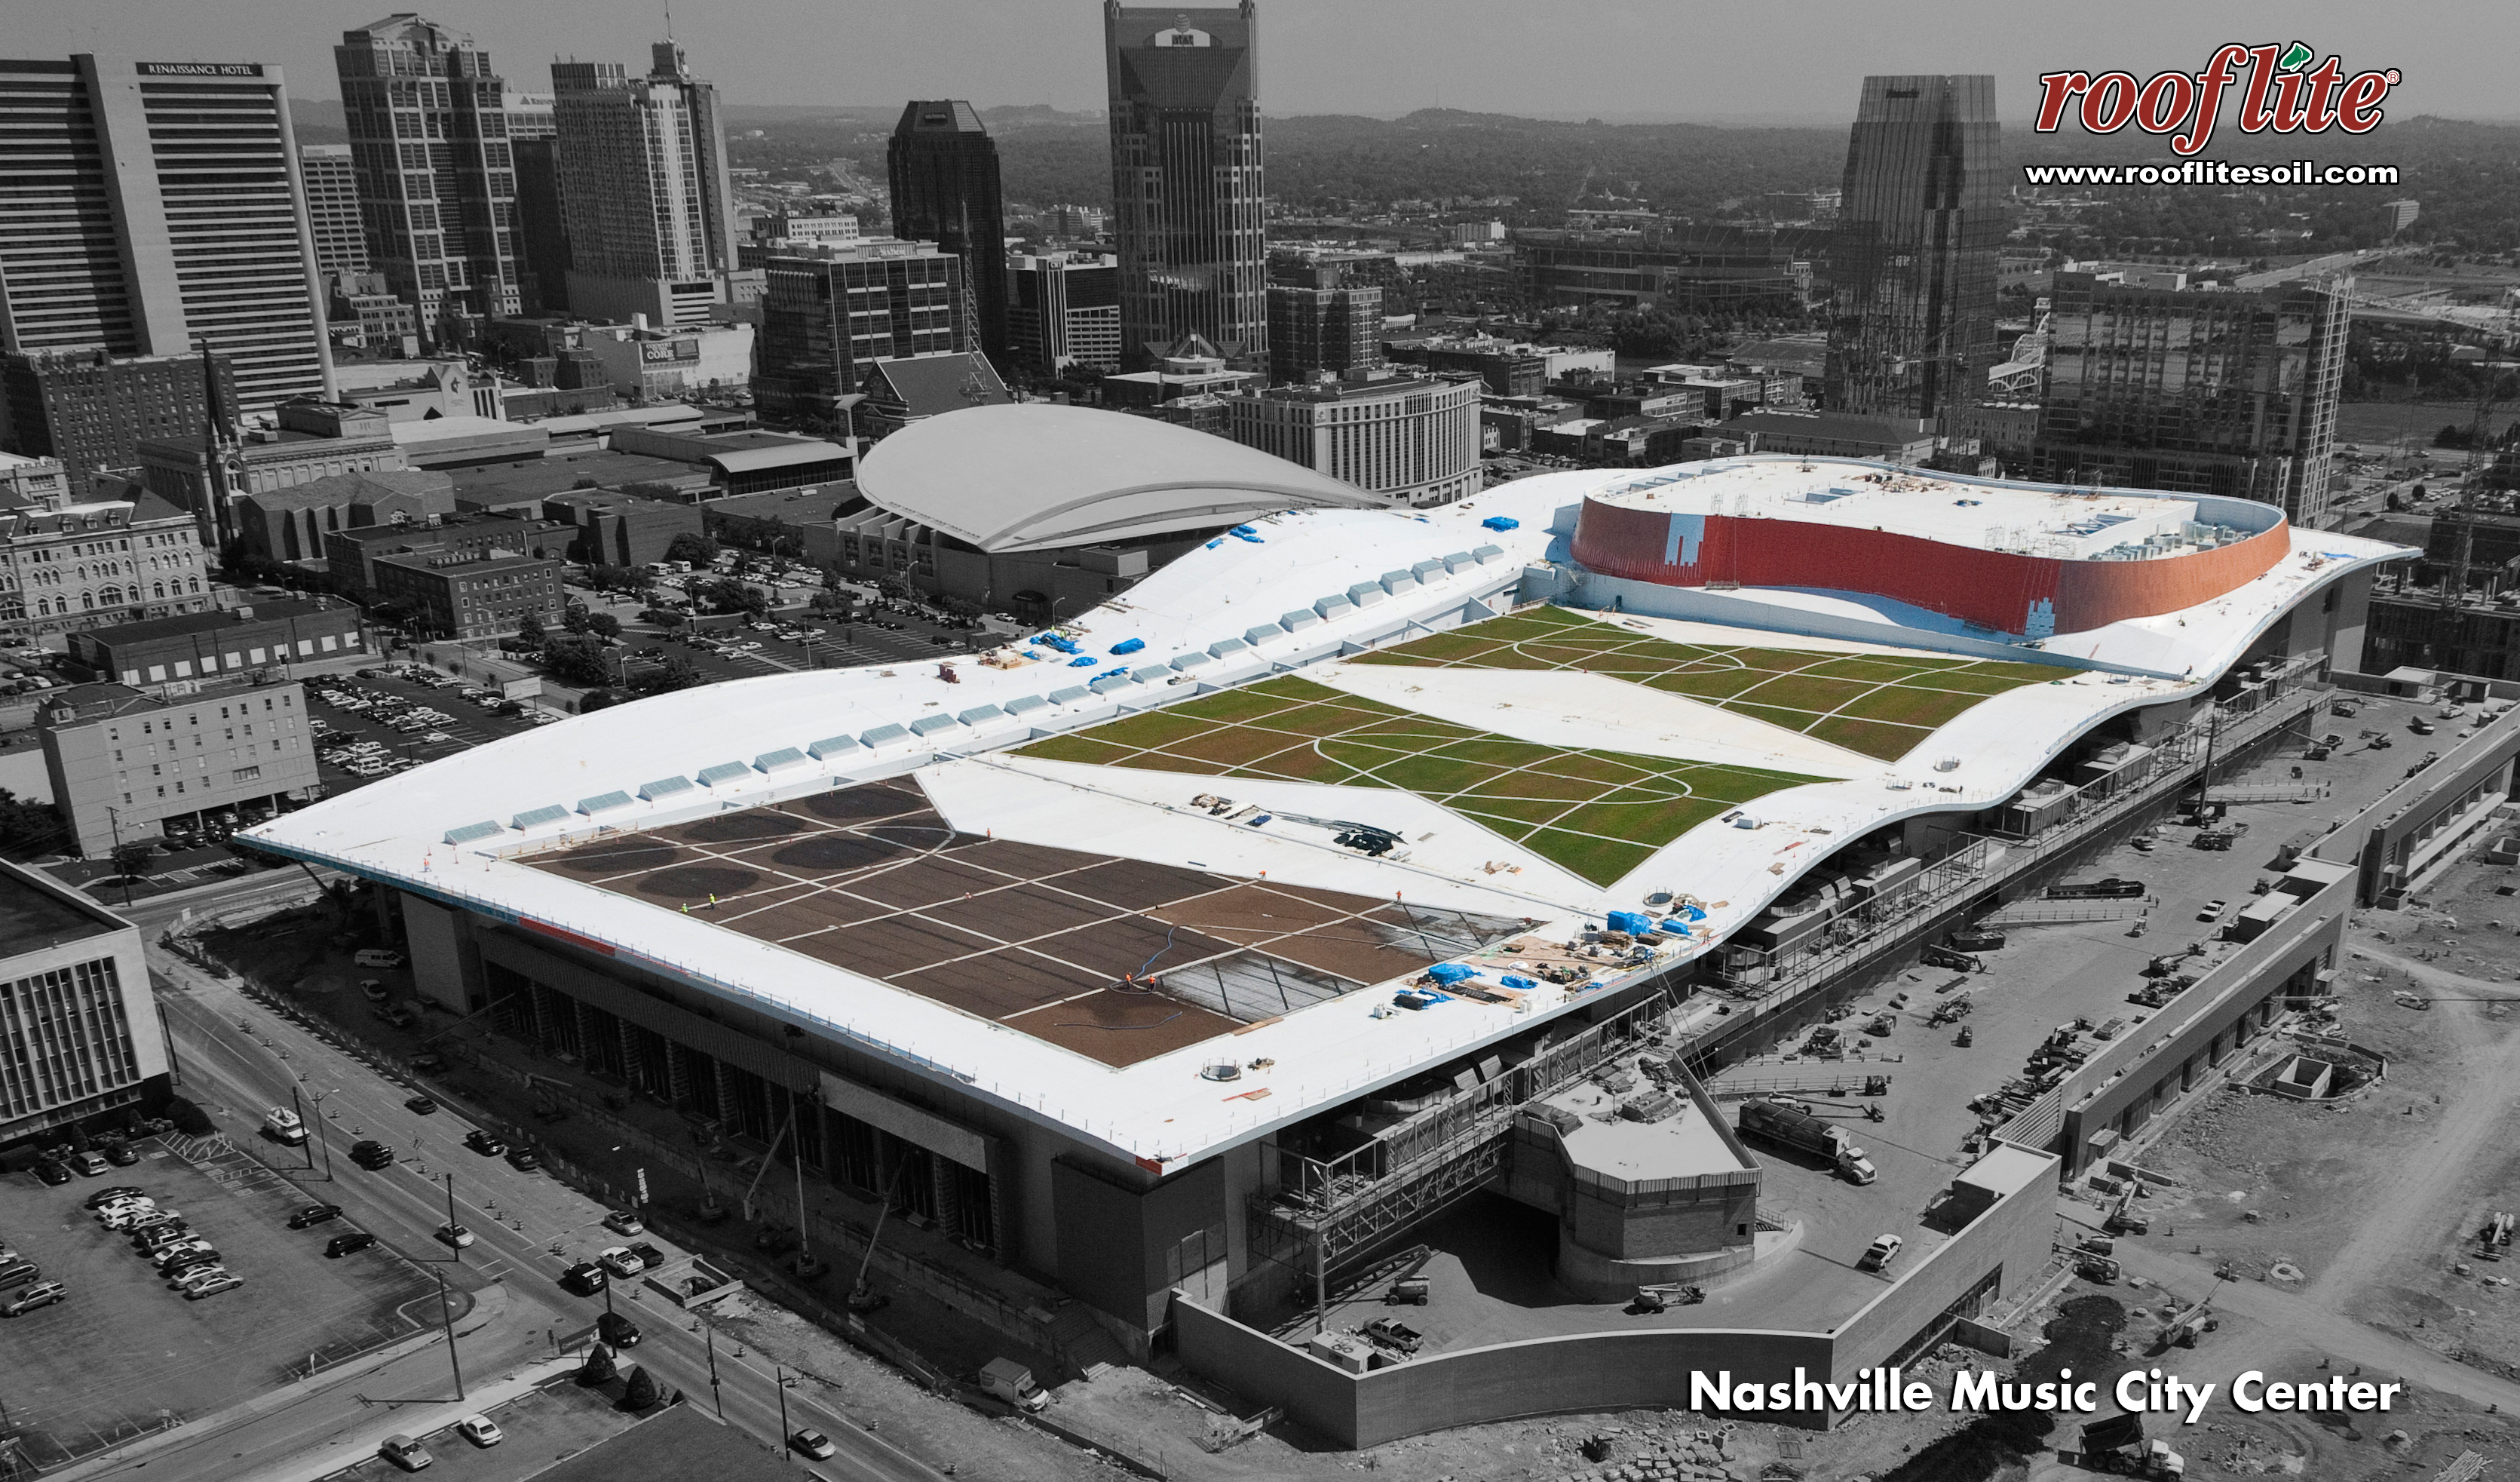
297 1108
454 1239
446 1311
784 1431
714 1392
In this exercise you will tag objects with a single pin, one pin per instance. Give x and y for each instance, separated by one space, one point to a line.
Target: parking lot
125 1355
392 718
559 1420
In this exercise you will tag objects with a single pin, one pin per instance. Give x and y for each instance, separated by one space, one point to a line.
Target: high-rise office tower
1911 333
643 190
149 206
944 170
829 310
333 208
2195 390
1319 323
1186 191
428 136
1063 309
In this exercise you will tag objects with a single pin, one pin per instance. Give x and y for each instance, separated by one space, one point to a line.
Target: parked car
51 1172
422 1105
194 1274
585 1279
18 1274
1880 1253
618 1259
624 1221
523 1159
648 1254
486 1144
2213 910
182 1271
119 1154
41 1294
814 1443
314 1214
480 1430
372 1155
615 1329
105 1196
347 1242
375 991
455 1236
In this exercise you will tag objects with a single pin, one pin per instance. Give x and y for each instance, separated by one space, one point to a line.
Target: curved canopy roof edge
1039 476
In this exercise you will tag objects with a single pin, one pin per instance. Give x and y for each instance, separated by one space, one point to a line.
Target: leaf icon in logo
2296 57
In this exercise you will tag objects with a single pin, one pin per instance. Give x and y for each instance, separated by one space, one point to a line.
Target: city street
238 1058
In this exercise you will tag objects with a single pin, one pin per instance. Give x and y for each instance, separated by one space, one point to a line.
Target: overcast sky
1799 61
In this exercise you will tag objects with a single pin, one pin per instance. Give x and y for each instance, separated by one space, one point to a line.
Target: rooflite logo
2283 95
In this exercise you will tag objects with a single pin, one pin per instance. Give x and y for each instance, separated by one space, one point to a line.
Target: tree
576 660
132 857
663 617
641 1392
24 822
603 625
574 617
529 632
189 1119
80 1142
699 549
599 1368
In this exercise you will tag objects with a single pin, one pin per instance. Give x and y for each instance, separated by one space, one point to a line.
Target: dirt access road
2417 1201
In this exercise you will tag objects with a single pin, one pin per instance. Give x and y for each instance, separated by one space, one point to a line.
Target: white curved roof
1039 476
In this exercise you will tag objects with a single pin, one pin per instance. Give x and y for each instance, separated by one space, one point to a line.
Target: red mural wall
1995 589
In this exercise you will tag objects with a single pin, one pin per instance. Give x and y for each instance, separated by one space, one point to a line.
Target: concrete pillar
585 1032
2215 1050
678 1073
724 1110
629 1041
2187 1072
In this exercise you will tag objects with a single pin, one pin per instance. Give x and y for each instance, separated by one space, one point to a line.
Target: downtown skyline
1618 62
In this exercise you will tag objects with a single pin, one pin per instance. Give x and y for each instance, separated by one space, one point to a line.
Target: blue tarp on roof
1060 641
1128 645
1083 661
1450 972
1501 523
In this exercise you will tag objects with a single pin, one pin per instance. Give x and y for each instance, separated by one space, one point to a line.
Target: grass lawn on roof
1598 814
1882 705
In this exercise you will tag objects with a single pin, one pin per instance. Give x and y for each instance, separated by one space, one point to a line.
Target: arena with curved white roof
1204 942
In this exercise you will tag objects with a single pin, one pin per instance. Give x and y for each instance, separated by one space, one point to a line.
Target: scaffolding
1321 1212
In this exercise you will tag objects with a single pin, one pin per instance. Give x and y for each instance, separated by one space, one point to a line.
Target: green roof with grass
1879 704
1597 814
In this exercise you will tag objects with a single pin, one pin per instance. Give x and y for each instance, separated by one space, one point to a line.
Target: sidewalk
489 1305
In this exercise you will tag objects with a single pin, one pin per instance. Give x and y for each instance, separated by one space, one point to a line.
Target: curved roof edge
1037 475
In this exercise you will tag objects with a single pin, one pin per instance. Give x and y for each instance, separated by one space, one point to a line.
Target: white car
480 1430
454 1235
223 1282
618 1259
2213 910
624 1221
